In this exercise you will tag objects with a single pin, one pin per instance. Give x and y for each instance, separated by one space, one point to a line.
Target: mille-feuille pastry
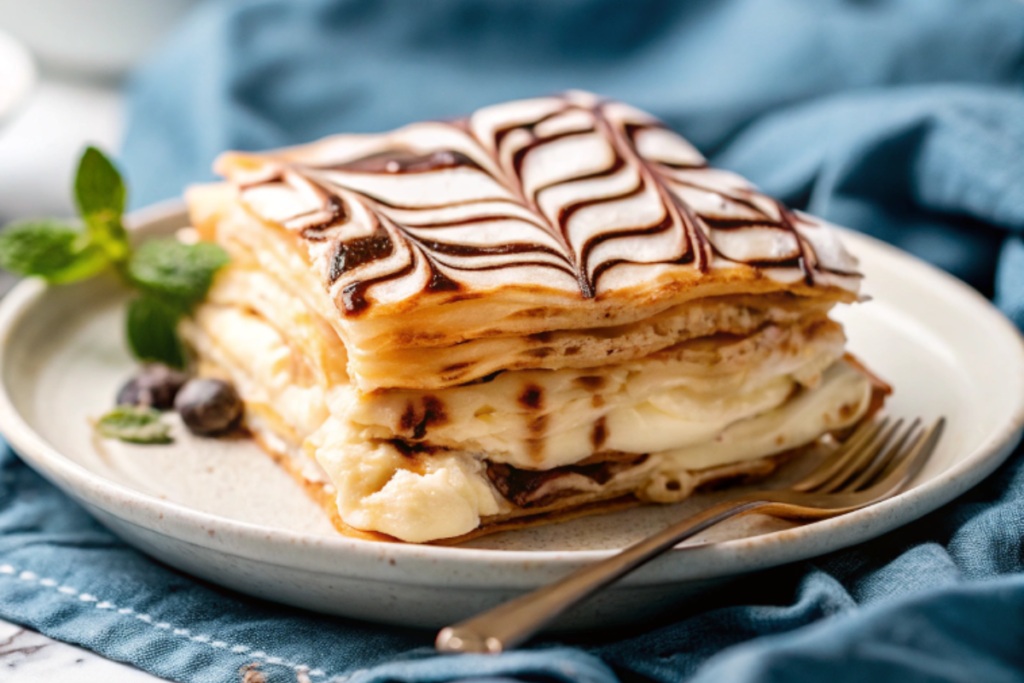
549 308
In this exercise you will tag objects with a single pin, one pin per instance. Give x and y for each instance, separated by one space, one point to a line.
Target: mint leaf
50 250
173 277
179 274
100 194
134 424
152 331
98 185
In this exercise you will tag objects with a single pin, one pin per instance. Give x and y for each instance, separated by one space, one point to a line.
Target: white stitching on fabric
182 632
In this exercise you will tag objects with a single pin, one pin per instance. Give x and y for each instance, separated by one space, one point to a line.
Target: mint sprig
171 277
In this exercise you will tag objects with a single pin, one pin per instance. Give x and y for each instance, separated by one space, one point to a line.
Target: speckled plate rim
401 563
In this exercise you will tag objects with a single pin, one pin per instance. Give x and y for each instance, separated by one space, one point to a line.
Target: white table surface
39 150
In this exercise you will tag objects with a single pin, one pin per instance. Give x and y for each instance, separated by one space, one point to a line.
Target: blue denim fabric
900 118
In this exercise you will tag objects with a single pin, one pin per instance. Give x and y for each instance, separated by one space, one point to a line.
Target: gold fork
875 463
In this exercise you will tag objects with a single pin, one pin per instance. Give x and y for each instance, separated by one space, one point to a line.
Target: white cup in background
91 38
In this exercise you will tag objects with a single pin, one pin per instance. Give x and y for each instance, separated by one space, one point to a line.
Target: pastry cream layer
448 494
545 419
703 404
532 419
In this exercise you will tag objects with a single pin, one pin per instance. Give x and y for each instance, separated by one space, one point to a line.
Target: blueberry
208 406
155 386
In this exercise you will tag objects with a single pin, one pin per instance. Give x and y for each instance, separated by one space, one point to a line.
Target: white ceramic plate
17 76
222 511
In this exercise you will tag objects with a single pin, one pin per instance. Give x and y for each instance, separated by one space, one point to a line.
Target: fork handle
512 623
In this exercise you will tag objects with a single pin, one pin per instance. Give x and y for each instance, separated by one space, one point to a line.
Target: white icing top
560 192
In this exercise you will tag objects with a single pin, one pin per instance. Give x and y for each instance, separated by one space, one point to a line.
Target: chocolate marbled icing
573 193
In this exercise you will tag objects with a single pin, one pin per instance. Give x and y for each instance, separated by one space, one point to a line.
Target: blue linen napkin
901 118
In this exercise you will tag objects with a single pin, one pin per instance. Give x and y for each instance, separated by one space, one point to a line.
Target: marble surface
30 657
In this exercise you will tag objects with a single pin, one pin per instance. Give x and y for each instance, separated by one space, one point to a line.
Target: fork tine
835 460
909 464
861 460
880 465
